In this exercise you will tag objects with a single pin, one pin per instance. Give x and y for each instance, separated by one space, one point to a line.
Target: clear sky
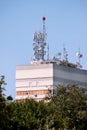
66 24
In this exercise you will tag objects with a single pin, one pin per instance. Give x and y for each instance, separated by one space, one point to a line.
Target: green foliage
3 110
67 110
69 103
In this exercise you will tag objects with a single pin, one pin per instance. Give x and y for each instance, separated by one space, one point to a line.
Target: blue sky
66 24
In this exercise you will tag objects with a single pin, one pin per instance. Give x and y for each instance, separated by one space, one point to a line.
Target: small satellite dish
78 55
59 53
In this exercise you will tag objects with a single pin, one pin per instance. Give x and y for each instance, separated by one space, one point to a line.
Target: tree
30 115
23 115
70 103
3 112
5 109
2 82
67 110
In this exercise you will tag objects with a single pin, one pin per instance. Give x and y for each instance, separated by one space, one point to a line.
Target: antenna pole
65 54
48 52
44 28
79 56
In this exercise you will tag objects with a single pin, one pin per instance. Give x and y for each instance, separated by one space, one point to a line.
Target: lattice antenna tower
40 43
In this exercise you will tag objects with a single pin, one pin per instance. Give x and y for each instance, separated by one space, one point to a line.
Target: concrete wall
66 75
34 77
39 78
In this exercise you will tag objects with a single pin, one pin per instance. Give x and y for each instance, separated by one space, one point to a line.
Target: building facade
38 80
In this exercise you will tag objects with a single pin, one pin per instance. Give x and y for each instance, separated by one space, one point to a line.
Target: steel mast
40 44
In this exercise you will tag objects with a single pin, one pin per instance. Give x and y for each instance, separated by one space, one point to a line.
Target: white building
40 78
35 80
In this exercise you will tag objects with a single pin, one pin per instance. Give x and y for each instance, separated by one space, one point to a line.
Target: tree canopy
67 110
